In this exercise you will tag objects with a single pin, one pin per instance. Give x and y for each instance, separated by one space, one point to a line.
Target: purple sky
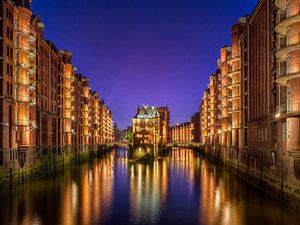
156 52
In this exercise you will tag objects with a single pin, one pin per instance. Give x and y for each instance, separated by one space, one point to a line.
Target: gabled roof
147 112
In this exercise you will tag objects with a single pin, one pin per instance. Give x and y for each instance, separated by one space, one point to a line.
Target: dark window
1 134
11 70
11 89
7 51
1 93
7 69
7 32
7 88
1 153
10 125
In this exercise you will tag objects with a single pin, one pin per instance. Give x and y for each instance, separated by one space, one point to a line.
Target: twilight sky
156 52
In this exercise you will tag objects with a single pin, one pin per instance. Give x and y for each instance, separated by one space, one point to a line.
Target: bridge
123 144
185 145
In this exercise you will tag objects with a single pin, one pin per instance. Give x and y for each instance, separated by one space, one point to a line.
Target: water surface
180 189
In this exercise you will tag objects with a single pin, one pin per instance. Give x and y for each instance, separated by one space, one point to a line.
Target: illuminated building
44 107
81 123
47 92
183 133
259 130
146 126
195 120
95 119
17 84
107 125
221 107
67 71
205 117
164 114
288 81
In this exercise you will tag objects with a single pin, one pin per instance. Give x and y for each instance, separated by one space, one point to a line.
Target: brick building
45 108
259 115
183 133
164 114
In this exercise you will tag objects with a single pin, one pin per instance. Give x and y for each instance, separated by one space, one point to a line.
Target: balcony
233 97
23 122
285 19
233 71
25 98
232 59
29 68
233 83
233 109
25 82
24 31
288 45
26 49
288 110
286 73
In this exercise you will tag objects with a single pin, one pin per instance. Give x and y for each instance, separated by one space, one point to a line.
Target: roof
147 112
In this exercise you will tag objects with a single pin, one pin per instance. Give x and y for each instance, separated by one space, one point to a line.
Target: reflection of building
146 126
183 133
148 190
44 107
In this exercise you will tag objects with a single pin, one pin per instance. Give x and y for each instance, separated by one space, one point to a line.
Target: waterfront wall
270 180
48 164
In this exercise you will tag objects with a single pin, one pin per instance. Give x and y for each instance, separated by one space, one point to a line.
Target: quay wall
266 179
48 164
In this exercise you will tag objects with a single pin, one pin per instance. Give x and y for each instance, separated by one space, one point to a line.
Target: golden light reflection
148 190
216 200
154 192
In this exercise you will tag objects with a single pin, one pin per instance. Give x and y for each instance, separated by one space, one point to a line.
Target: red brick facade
44 107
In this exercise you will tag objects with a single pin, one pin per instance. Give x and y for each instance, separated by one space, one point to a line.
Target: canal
183 188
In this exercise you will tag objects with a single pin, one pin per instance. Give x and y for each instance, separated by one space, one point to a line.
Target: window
7 69
7 88
288 133
7 51
1 156
7 32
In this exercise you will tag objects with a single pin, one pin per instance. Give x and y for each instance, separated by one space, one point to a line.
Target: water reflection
148 191
179 189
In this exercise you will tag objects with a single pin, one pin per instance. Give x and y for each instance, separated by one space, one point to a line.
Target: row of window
9 14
